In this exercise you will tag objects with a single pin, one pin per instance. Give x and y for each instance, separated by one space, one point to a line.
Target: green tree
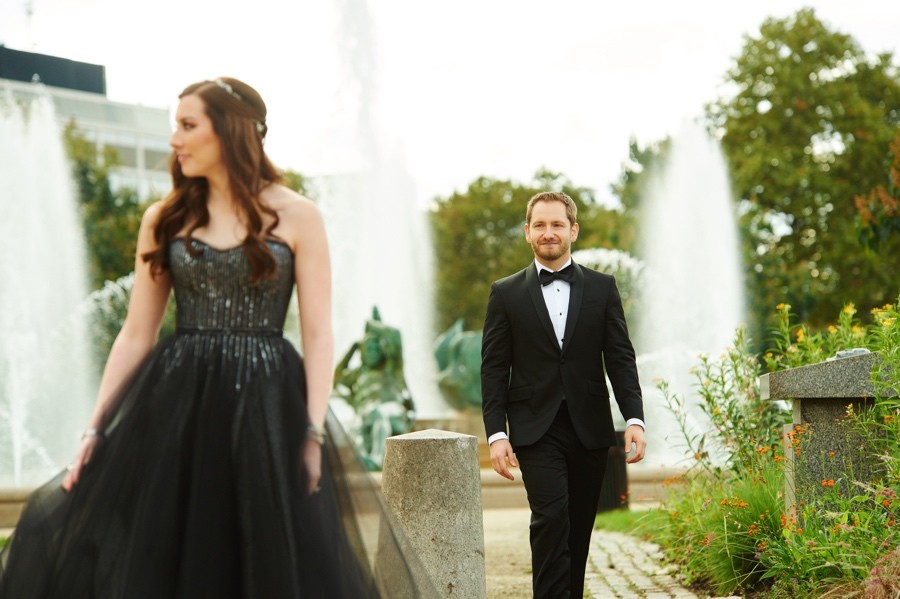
111 218
479 238
296 181
806 132
641 163
878 212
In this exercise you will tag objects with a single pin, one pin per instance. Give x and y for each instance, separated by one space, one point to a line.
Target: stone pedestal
432 484
830 447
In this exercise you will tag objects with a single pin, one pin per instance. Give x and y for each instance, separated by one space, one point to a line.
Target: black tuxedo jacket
525 374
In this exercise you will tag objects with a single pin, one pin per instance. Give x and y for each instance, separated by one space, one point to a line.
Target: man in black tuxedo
548 332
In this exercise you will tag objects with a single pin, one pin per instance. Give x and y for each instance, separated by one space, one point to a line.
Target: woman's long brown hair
238 116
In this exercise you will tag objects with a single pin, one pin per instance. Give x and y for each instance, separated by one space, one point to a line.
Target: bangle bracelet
90 432
315 433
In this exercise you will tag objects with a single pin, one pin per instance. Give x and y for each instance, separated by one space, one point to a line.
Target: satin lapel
576 293
537 298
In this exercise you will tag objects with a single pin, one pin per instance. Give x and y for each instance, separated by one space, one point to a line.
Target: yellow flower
850 309
832 329
800 335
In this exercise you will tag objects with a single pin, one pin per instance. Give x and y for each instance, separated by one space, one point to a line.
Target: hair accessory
227 87
260 127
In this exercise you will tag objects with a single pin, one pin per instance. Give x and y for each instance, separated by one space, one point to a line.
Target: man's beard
551 252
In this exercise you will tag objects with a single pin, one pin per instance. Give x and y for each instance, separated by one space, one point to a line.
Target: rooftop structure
138 134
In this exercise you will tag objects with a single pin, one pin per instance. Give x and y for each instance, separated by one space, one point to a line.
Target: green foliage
111 218
799 344
715 531
730 528
638 171
878 212
808 130
624 521
479 238
297 182
741 422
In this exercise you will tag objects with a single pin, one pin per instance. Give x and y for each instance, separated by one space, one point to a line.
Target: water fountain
46 375
379 236
691 294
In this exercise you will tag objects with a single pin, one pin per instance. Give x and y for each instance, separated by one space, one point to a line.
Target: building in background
138 134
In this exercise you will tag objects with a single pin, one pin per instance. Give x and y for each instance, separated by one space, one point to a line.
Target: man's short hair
553 196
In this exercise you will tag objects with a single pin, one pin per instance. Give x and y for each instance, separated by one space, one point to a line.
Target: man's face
550 233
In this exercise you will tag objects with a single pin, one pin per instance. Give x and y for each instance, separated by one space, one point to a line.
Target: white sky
459 89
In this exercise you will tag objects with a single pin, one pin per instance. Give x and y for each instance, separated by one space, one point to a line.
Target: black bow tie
566 274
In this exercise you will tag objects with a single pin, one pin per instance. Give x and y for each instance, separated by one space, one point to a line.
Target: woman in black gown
200 473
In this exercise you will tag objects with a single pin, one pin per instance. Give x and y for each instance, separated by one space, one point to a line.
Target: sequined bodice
212 290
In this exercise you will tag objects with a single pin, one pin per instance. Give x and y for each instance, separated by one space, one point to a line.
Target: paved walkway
623 566
619 566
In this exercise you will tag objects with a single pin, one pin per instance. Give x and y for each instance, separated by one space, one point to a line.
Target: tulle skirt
198 490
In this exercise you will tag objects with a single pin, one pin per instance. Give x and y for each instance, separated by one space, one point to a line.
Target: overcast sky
456 89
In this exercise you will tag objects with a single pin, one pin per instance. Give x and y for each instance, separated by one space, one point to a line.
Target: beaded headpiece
260 126
227 87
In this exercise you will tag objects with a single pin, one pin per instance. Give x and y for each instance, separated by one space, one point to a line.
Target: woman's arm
134 341
312 270
301 225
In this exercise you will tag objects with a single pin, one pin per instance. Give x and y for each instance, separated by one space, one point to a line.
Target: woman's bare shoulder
292 207
151 213
296 213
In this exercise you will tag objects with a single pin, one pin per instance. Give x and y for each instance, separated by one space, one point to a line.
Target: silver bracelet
90 432
315 433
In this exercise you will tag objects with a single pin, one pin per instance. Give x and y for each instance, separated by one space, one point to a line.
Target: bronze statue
375 388
458 355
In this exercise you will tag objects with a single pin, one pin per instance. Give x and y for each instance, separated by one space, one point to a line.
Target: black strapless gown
198 490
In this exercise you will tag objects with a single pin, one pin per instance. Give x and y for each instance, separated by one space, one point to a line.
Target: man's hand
501 455
634 436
